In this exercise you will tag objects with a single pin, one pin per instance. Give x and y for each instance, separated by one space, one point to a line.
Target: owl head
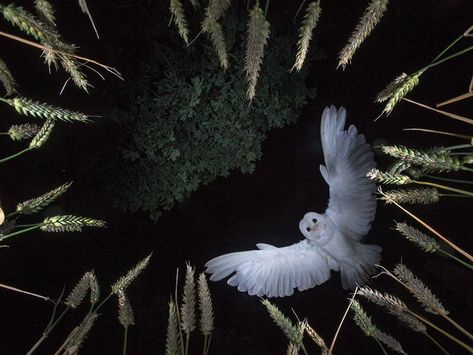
313 226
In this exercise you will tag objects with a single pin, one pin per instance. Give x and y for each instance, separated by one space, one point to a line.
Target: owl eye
314 220
308 229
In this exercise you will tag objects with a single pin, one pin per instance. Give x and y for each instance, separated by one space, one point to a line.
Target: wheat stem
11 288
36 226
446 253
436 343
451 56
443 187
13 156
450 180
341 322
381 346
445 113
125 337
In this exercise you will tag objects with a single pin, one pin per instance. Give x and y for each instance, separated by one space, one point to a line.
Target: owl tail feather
358 271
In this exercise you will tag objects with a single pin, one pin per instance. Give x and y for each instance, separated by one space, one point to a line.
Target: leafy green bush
191 122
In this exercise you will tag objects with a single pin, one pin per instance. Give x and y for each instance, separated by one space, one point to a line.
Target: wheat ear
188 317
123 282
258 34
38 203
316 338
388 178
412 196
76 341
43 134
398 91
369 329
69 223
125 312
422 240
46 12
79 291
7 80
368 21
309 22
431 160
420 291
85 10
177 13
173 343
23 131
291 331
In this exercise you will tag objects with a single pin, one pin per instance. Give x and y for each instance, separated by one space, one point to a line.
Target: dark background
232 213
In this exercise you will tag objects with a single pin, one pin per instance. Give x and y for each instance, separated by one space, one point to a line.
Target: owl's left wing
348 158
273 272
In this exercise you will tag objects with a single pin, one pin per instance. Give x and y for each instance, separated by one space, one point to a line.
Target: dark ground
232 213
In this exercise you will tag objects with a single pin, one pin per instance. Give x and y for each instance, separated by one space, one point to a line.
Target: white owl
332 239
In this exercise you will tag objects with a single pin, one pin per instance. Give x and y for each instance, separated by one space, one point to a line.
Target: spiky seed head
32 108
94 288
205 306
421 195
72 67
23 131
177 13
69 223
432 159
214 29
173 344
43 134
125 312
258 34
420 291
38 203
123 282
407 85
316 338
76 341
79 291
46 12
388 91
7 80
311 18
188 317
388 178
383 299
291 331
422 240
372 15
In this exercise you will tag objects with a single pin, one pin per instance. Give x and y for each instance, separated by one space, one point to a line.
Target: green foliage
191 121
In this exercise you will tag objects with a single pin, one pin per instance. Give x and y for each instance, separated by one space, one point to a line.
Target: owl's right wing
272 271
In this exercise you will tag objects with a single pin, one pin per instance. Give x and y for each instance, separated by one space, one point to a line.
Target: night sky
232 213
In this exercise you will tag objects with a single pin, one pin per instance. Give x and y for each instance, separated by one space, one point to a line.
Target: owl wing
348 158
272 271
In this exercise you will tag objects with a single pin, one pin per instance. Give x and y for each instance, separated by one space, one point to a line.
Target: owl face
312 226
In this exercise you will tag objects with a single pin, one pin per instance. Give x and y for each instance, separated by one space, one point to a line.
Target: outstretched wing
274 272
348 158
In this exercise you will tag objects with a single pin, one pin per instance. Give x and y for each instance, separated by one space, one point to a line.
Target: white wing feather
348 158
273 272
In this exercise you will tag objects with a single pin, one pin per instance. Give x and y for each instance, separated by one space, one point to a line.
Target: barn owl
332 239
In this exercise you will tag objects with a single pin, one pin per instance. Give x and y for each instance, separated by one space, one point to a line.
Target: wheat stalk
23 131
43 134
177 13
369 329
368 21
258 34
432 160
45 11
412 196
388 178
32 108
422 240
309 22
38 203
69 223
123 282
7 79
79 291
173 345
291 331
